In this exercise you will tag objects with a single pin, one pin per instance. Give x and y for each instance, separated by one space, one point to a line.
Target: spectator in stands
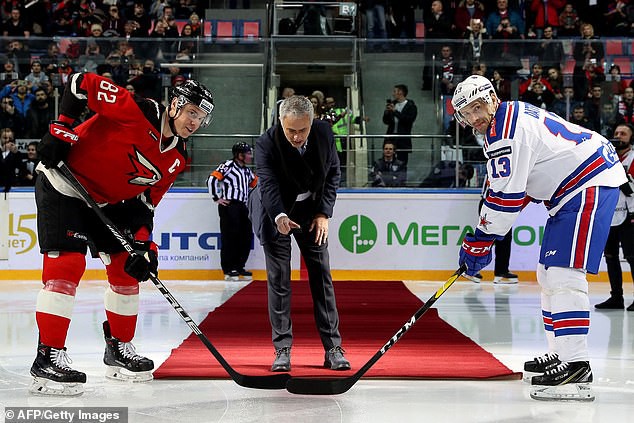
89 61
616 19
39 115
404 18
447 70
536 77
196 24
114 65
593 75
626 105
610 118
374 11
185 8
438 24
565 105
502 86
399 116
546 15
587 51
579 117
16 25
539 96
550 50
62 24
233 4
8 74
388 171
9 117
473 51
10 160
96 37
495 24
615 83
51 58
159 49
64 69
568 22
185 41
556 81
505 46
37 75
29 163
22 97
113 25
593 105
148 83
467 10
142 18
18 52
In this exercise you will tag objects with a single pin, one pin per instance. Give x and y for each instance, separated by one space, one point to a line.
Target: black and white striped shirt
231 182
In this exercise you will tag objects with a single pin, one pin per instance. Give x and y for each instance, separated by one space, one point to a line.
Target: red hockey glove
144 262
55 144
476 252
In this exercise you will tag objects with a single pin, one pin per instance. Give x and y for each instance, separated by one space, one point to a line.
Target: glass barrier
247 71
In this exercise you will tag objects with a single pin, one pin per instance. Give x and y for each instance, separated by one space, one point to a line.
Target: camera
388 101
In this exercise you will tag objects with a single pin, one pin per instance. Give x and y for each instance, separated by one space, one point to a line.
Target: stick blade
278 381
314 386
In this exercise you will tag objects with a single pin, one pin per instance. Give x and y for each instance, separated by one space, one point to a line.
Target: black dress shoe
335 360
282 362
612 303
630 307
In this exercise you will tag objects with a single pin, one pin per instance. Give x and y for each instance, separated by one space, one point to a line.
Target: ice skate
540 365
52 374
477 278
122 361
507 278
565 382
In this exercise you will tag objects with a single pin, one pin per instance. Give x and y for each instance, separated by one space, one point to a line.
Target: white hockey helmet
475 87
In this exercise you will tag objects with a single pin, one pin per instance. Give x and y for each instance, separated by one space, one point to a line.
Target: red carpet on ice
370 313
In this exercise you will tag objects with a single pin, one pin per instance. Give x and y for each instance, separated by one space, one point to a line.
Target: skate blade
569 392
45 387
505 281
123 375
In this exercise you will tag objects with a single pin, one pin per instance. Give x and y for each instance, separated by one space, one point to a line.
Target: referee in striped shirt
229 186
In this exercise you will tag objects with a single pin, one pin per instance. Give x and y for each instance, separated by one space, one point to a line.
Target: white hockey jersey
535 154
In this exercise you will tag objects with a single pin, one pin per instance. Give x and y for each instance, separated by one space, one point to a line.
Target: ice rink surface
505 320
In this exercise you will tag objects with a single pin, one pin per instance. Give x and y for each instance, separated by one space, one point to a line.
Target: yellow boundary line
354 275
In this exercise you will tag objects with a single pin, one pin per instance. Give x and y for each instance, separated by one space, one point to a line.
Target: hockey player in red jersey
127 155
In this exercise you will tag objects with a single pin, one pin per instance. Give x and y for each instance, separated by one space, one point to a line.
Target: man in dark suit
399 116
298 171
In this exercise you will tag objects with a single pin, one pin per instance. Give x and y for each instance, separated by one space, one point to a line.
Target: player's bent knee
116 273
62 271
565 278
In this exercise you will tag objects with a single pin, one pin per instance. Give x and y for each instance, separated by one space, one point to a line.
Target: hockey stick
315 386
260 382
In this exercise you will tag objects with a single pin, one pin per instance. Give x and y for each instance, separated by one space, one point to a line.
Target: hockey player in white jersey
535 155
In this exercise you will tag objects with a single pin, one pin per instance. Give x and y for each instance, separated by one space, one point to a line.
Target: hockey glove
144 262
476 252
55 144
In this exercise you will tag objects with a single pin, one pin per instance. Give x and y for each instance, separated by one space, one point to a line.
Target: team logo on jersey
500 152
484 222
145 173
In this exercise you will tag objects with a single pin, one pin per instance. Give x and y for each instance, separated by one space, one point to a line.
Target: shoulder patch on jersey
499 152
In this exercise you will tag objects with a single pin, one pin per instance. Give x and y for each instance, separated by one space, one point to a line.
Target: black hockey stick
317 386
277 381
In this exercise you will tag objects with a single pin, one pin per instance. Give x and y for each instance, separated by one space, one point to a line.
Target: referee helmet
240 147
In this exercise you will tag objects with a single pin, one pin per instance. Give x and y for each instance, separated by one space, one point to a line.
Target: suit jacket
406 119
283 174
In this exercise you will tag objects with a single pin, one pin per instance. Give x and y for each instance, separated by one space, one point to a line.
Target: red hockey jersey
120 153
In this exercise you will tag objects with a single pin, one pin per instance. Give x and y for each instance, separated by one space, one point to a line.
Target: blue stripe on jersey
576 314
505 202
587 170
548 320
